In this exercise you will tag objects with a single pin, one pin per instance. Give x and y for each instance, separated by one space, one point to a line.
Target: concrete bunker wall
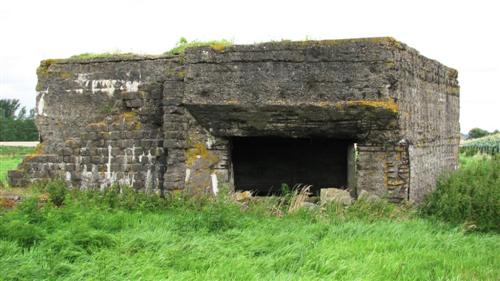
100 122
170 123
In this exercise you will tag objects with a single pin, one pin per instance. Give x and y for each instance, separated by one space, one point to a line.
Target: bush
118 197
25 234
469 196
57 192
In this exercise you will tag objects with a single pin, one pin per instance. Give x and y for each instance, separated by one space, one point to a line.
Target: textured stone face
292 90
168 123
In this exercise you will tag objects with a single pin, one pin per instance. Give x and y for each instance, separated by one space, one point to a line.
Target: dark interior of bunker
263 164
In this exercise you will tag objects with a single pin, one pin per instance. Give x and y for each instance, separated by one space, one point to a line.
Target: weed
469 196
110 55
183 44
57 192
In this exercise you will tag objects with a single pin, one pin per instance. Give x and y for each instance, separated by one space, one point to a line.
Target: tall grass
121 235
469 196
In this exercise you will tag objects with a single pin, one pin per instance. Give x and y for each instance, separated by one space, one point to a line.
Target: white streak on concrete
215 183
125 159
150 157
108 165
131 86
68 176
41 103
210 142
149 180
106 85
188 174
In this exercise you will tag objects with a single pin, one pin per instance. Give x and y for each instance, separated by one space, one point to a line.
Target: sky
460 34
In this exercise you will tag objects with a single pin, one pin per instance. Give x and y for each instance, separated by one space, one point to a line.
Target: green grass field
80 242
10 157
125 236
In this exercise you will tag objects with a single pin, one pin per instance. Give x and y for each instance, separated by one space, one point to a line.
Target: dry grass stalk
299 196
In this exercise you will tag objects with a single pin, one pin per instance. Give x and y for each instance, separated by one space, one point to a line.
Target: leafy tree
21 115
8 107
477 133
20 127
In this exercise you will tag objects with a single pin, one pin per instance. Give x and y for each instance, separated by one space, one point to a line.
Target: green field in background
10 157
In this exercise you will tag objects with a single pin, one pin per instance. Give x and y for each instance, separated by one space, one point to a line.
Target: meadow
10 157
121 235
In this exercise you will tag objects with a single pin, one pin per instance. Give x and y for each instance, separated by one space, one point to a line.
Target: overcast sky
463 35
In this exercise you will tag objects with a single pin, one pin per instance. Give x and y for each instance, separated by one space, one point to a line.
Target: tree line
476 133
16 122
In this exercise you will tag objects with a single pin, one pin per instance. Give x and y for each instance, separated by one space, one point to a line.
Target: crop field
61 234
488 145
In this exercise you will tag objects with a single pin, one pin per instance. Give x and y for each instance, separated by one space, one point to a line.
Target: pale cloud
462 35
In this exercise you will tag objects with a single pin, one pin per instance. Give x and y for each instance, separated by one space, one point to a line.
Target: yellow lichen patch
181 73
199 150
232 102
71 143
390 64
102 168
39 149
129 116
388 104
453 91
398 157
37 152
218 47
324 104
98 126
65 75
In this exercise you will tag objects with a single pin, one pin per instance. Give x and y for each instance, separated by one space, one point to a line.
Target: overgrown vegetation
115 54
183 44
120 234
489 144
469 196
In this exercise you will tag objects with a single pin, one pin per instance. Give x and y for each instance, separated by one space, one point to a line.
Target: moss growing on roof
334 42
43 69
183 44
117 55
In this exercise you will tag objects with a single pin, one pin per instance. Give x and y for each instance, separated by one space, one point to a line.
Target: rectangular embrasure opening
263 164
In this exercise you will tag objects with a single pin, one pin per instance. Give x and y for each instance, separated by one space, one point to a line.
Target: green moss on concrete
338 42
183 44
110 55
43 70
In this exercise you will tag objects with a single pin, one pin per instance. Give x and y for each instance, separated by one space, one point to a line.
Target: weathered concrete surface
167 123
